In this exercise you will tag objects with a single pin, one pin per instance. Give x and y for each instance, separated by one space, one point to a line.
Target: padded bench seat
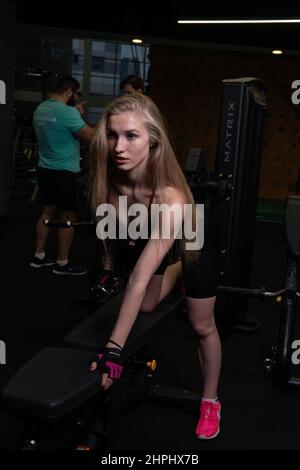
94 331
52 383
56 380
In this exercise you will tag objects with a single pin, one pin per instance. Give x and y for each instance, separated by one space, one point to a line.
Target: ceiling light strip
238 21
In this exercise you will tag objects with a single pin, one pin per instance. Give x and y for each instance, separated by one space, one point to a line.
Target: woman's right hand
110 364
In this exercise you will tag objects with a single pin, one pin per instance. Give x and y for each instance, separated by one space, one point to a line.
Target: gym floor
39 308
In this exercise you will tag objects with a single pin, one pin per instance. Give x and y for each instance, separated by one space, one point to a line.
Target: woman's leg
160 286
201 315
171 276
151 298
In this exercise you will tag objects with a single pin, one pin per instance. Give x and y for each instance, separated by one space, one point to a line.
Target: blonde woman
134 162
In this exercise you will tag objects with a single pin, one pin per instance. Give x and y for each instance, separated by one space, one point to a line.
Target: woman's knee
148 307
203 328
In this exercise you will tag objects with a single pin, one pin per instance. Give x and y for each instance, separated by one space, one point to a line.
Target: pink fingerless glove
110 362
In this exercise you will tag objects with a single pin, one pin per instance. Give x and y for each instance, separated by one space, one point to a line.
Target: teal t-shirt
54 123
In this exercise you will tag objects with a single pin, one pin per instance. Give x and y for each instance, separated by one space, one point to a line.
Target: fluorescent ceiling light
238 21
137 41
277 52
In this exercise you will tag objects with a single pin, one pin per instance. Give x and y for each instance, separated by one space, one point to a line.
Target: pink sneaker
208 424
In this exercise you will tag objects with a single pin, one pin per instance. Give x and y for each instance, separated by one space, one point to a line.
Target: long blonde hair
163 168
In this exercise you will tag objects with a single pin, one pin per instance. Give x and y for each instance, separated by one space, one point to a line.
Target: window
94 114
99 66
78 59
112 62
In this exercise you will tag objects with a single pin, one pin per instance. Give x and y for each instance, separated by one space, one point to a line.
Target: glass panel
112 62
94 114
77 56
77 63
101 85
103 49
79 78
78 46
100 64
98 48
110 48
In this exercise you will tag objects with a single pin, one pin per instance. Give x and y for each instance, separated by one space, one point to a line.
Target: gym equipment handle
66 223
251 292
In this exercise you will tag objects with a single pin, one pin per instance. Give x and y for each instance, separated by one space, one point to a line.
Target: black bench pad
57 380
51 384
95 330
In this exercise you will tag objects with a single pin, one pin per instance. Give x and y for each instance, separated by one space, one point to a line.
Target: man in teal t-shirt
55 124
59 126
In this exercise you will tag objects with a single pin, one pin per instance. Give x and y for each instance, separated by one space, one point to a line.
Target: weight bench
56 381
96 328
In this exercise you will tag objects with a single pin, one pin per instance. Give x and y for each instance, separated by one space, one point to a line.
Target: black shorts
58 187
200 276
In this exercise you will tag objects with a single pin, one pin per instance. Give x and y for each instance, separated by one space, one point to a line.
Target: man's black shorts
58 187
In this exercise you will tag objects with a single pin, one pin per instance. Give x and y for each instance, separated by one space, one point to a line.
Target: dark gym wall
186 84
7 54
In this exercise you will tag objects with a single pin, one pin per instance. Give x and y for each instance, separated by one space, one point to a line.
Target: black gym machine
234 186
55 385
279 363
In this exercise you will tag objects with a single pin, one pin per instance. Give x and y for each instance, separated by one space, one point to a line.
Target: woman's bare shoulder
172 195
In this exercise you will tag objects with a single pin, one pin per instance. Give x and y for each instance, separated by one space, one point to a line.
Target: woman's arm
108 257
147 264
